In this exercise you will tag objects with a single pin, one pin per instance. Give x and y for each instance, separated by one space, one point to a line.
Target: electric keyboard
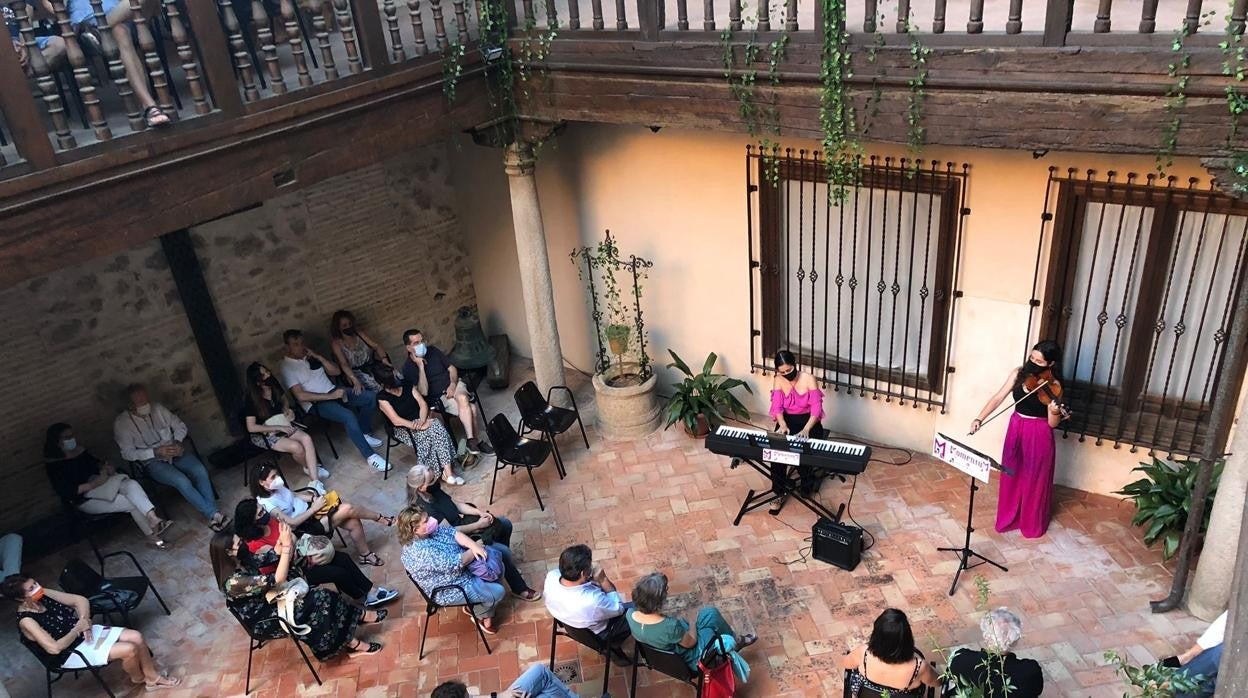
772 447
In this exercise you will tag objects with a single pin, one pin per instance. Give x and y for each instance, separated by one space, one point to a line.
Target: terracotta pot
618 345
703 428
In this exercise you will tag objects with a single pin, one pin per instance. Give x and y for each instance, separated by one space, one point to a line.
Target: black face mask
349 331
263 521
790 376
1033 367
314 363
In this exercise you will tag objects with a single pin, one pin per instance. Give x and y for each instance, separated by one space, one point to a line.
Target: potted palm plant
703 400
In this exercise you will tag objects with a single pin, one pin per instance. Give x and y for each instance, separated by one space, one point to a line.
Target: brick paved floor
665 503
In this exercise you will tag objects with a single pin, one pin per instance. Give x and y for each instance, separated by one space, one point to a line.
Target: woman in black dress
332 619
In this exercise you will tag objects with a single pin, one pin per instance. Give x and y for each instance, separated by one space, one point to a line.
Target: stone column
535 282
1211 586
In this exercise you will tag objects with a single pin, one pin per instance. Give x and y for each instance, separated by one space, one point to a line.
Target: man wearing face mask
152 436
435 376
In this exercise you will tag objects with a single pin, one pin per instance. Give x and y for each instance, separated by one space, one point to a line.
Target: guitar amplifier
836 544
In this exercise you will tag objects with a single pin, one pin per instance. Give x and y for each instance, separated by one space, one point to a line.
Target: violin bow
1010 406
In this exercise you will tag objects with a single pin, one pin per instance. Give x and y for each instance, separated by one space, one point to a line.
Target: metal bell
471 350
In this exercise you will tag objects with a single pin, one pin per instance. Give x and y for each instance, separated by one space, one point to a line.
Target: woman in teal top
673 635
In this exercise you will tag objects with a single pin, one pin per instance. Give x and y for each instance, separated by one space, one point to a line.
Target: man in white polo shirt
307 375
579 596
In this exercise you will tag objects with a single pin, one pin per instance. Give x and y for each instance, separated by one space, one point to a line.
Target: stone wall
383 242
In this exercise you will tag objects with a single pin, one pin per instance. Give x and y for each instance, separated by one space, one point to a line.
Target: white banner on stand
973 463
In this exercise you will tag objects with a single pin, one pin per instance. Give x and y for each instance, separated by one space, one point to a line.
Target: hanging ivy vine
841 149
1235 67
762 122
1176 93
916 134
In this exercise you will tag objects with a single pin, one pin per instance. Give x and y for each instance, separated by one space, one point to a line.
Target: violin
1047 389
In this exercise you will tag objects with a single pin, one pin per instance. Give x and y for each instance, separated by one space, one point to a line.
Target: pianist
796 408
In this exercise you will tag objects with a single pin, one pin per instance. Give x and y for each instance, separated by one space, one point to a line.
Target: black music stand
966 552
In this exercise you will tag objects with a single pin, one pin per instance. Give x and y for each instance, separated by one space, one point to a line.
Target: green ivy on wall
841 149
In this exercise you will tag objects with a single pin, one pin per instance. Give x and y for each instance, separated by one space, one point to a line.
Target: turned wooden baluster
1101 26
708 15
316 8
268 46
621 18
461 19
530 15
903 16
397 54
790 20
1148 17
938 18
439 27
1192 20
418 27
599 24
868 20
1238 14
190 66
682 15
346 27
1015 23
574 14
294 36
764 16
116 69
43 77
82 76
155 71
242 59
976 23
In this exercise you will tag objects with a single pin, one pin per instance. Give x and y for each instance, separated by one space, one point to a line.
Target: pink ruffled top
809 402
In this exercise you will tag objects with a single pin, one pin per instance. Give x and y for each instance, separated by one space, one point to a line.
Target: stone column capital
518 160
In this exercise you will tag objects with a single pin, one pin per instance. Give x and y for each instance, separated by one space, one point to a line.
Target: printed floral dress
332 618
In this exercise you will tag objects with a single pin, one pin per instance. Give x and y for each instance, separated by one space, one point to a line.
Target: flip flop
162 527
373 648
369 559
171 682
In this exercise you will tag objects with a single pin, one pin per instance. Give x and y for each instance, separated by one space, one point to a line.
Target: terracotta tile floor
666 503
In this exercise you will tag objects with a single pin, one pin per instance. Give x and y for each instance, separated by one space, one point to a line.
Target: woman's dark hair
650 592
784 357
892 641
52 441
223 563
1051 351
384 375
14 586
450 689
255 393
575 561
259 474
339 316
245 525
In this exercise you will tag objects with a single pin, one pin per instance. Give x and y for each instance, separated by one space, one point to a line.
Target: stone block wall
383 241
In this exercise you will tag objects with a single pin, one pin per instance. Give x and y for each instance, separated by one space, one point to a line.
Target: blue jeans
479 591
541 682
356 416
510 573
1205 664
189 477
709 625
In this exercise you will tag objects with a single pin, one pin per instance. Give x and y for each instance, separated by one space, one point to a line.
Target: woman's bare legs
136 72
348 517
136 658
299 446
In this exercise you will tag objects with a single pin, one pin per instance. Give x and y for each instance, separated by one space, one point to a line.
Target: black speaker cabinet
836 544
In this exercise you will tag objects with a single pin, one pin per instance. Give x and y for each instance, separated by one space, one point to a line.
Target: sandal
358 648
220 524
154 117
386 520
161 526
381 615
370 559
164 681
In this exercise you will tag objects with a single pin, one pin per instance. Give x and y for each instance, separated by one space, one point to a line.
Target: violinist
1029 450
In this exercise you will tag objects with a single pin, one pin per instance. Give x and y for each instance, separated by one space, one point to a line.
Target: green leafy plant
1162 500
1234 66
841 149
1176 94
1153 680
617 338
705 393
916 134
762 121
618 319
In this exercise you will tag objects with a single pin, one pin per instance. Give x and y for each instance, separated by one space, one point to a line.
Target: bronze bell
471 350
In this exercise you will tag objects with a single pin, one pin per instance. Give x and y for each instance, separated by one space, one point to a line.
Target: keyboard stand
755 500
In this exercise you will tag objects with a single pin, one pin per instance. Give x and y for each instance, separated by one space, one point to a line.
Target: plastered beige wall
678 199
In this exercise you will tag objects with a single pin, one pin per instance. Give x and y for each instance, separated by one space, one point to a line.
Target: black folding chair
868 692
517 451
432 607
119 595
266 630
392 439
537 414
84 525
586 637
668 663
53 671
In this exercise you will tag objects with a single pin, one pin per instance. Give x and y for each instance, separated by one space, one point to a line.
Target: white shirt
138 436
582 606
1214 633
299 372
285 501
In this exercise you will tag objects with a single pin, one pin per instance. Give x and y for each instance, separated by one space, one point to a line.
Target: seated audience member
538 682
119 16
890 661
356 351
306 374
1202 658
582 596
93 486
432 373
10 554
330 619
668 634
259 532
51 47
302 510
409 413
149 434
424 490
60 624
995 665
270 422
436 555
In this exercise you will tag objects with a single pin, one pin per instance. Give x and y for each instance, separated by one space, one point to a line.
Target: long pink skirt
1026 497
